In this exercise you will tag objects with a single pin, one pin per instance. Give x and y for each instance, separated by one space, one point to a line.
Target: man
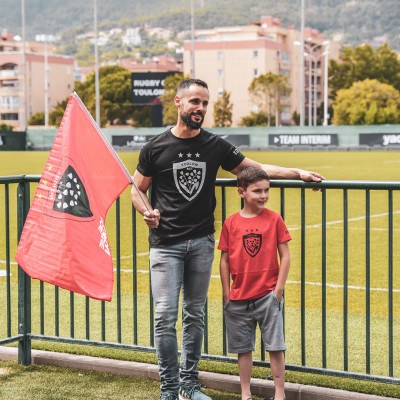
182 165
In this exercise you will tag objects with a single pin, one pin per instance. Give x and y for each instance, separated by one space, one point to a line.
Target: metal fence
341 317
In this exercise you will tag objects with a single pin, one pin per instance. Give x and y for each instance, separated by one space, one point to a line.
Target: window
255 53
9 117
220 73
255 72
220 91
9 102
220 55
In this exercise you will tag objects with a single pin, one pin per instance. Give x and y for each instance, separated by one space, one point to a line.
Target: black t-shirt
183 173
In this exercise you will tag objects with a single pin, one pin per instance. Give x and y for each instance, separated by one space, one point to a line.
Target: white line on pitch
331 285
295 228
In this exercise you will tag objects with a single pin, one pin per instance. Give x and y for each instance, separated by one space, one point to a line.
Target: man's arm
225 274
284 265
140 200
277 172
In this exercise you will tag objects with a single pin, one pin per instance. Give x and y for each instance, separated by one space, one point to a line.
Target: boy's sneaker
168 396
192 392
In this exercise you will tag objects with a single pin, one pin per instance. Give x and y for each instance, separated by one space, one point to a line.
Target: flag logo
252 243
71 197
189 177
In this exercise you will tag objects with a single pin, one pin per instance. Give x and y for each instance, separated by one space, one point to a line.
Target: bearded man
182 165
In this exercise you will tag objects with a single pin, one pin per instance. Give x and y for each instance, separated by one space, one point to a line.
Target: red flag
64 240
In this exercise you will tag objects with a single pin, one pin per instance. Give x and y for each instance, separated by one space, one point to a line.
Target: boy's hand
226 297
278 294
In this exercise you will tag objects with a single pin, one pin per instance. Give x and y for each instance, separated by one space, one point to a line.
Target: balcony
8 89
8 73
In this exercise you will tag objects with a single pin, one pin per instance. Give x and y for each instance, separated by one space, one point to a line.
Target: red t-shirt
252 244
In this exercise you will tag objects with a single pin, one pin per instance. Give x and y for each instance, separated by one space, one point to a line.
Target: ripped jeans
185 265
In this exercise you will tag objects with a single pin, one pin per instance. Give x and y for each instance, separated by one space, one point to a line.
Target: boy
250 240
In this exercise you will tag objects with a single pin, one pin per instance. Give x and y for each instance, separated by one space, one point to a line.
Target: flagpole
140 194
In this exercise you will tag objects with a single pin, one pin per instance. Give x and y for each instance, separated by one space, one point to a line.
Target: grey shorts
242 316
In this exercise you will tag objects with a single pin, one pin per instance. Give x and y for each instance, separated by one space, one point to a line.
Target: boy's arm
225 274
284 256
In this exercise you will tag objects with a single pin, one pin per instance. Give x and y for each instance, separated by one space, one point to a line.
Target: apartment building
229 58
56 82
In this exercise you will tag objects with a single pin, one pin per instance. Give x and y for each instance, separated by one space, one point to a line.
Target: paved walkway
228 383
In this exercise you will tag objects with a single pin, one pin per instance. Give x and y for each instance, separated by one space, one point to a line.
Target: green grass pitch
333 165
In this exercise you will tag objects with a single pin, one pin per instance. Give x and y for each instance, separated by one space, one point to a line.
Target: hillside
358 20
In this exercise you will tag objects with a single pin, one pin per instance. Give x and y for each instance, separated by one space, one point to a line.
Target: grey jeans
185 265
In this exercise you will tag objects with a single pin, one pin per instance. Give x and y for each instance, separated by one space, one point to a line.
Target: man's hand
152 219
309 176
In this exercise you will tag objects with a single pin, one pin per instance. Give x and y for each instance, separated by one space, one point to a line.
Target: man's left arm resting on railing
276 172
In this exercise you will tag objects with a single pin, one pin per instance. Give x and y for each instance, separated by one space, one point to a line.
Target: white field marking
391 162
3 272
295 228
11 262
331 285
319 167
363 229
131 256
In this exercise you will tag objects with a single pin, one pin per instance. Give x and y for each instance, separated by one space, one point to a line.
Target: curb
228 383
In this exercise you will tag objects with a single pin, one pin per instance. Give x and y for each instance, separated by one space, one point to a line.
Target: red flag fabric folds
64 240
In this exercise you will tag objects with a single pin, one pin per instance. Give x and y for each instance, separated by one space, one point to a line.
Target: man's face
192 106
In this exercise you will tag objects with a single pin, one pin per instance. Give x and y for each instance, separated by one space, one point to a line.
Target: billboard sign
147 87
315 139
130 140
237 140
379 139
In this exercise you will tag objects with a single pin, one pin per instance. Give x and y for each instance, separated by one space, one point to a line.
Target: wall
347 135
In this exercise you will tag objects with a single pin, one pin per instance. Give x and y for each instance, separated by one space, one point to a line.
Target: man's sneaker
192 392
168 396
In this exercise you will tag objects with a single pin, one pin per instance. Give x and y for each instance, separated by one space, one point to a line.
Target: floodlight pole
96 67
326 86
302 80
24 119
192 72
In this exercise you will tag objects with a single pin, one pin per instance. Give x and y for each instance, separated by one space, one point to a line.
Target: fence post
24 282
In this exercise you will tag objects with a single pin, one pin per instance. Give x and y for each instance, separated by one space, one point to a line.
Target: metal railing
345 328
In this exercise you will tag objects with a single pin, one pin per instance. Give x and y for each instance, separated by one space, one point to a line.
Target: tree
55 117
6 127
366 103
167 99
364 62
267 90
257 119
115 94
37 119
223 110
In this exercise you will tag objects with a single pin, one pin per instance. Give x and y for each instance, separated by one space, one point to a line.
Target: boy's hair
185 84
249 175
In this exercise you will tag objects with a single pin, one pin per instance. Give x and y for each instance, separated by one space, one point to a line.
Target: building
161 63
59 79
229 58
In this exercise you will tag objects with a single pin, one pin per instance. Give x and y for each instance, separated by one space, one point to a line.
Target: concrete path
228 383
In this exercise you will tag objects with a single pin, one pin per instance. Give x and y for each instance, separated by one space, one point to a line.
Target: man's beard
187 119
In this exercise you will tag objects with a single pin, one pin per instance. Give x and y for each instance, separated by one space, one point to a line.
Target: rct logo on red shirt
252 243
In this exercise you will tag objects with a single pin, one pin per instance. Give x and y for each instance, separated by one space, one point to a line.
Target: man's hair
249 175
189 82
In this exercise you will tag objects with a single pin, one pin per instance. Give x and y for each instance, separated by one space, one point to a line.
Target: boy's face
256 195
